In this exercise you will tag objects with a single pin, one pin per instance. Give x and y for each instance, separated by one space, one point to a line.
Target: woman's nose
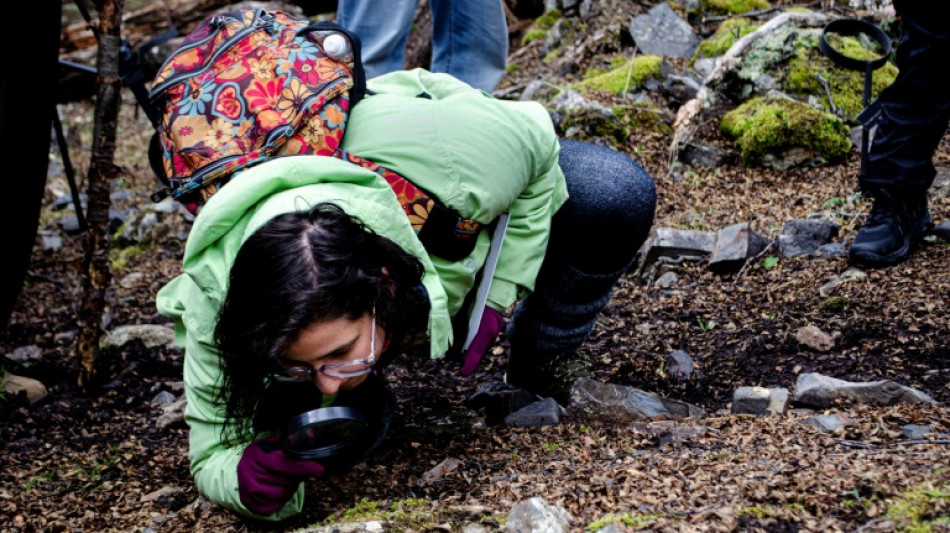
328 385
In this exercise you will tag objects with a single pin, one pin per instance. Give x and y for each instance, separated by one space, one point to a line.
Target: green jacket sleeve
213 465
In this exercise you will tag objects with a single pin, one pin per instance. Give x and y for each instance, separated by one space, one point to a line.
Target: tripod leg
68 168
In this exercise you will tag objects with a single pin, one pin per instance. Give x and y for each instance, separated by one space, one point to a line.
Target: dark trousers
915 109
594 239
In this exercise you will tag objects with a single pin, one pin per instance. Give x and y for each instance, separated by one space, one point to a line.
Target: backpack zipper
261 20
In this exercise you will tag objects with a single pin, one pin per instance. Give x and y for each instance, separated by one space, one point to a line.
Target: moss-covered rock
591 124
809 66
773 125
628 76
539 28
790 55
730 31
732 7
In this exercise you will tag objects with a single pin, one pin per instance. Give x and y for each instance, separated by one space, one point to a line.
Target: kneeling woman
306 268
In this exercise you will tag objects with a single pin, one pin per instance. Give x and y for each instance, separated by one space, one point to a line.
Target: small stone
815 338
26 354
679 364
546 412
828 423
915 431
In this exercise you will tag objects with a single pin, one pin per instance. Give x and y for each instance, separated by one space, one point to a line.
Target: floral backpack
247 86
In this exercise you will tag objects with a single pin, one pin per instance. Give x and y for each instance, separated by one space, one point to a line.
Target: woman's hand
488 330
268 477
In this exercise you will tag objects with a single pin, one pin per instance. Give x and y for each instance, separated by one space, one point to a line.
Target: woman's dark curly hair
299 269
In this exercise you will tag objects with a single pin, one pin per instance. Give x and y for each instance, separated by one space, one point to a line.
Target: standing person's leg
383 29
594 239
915 110
470 41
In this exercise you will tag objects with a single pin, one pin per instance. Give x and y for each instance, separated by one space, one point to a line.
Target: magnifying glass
857 28
324 432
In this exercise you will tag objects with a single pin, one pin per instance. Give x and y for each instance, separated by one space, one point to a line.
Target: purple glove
267 477
488 330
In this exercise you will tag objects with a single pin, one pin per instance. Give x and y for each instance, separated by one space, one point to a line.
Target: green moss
918 509
732 7
628 76
846 86
834 304
730 31
511 67
120 257
767 125
617 129
539 28
629 519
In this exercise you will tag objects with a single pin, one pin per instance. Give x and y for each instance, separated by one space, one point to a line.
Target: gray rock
662 32
546 412
915 431
942 230
667 280
735 244
679 364
760 400
802 237
172 413
32 389
152 335
831 250
819 391
50 241
827 423
498 399
534 515
701 155
814 338
617 403
164 397
677 243
26 354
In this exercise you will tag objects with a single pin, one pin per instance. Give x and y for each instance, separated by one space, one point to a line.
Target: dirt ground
76 463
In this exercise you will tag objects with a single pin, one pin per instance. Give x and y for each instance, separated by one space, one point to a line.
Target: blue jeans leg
470 40
383 29
594 239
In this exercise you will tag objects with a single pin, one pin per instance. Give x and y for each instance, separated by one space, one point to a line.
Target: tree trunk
96 270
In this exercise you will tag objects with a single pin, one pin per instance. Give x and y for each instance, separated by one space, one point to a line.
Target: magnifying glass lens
324 432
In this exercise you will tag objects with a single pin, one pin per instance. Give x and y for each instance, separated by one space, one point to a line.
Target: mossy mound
846 86
730 31
590 124
630 75
773 125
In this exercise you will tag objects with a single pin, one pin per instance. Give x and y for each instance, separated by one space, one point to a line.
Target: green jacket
479 155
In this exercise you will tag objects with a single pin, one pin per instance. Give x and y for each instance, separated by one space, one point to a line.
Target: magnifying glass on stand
855 27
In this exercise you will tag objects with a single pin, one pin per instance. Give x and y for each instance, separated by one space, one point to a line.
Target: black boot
549 326
898 221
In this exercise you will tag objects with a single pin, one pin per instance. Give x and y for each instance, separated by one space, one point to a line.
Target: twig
917 441
752 260
760 12
831 101
872 523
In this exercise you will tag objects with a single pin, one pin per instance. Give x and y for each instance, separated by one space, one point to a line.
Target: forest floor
77 463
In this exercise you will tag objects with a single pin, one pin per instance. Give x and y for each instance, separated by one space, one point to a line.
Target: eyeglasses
333 370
